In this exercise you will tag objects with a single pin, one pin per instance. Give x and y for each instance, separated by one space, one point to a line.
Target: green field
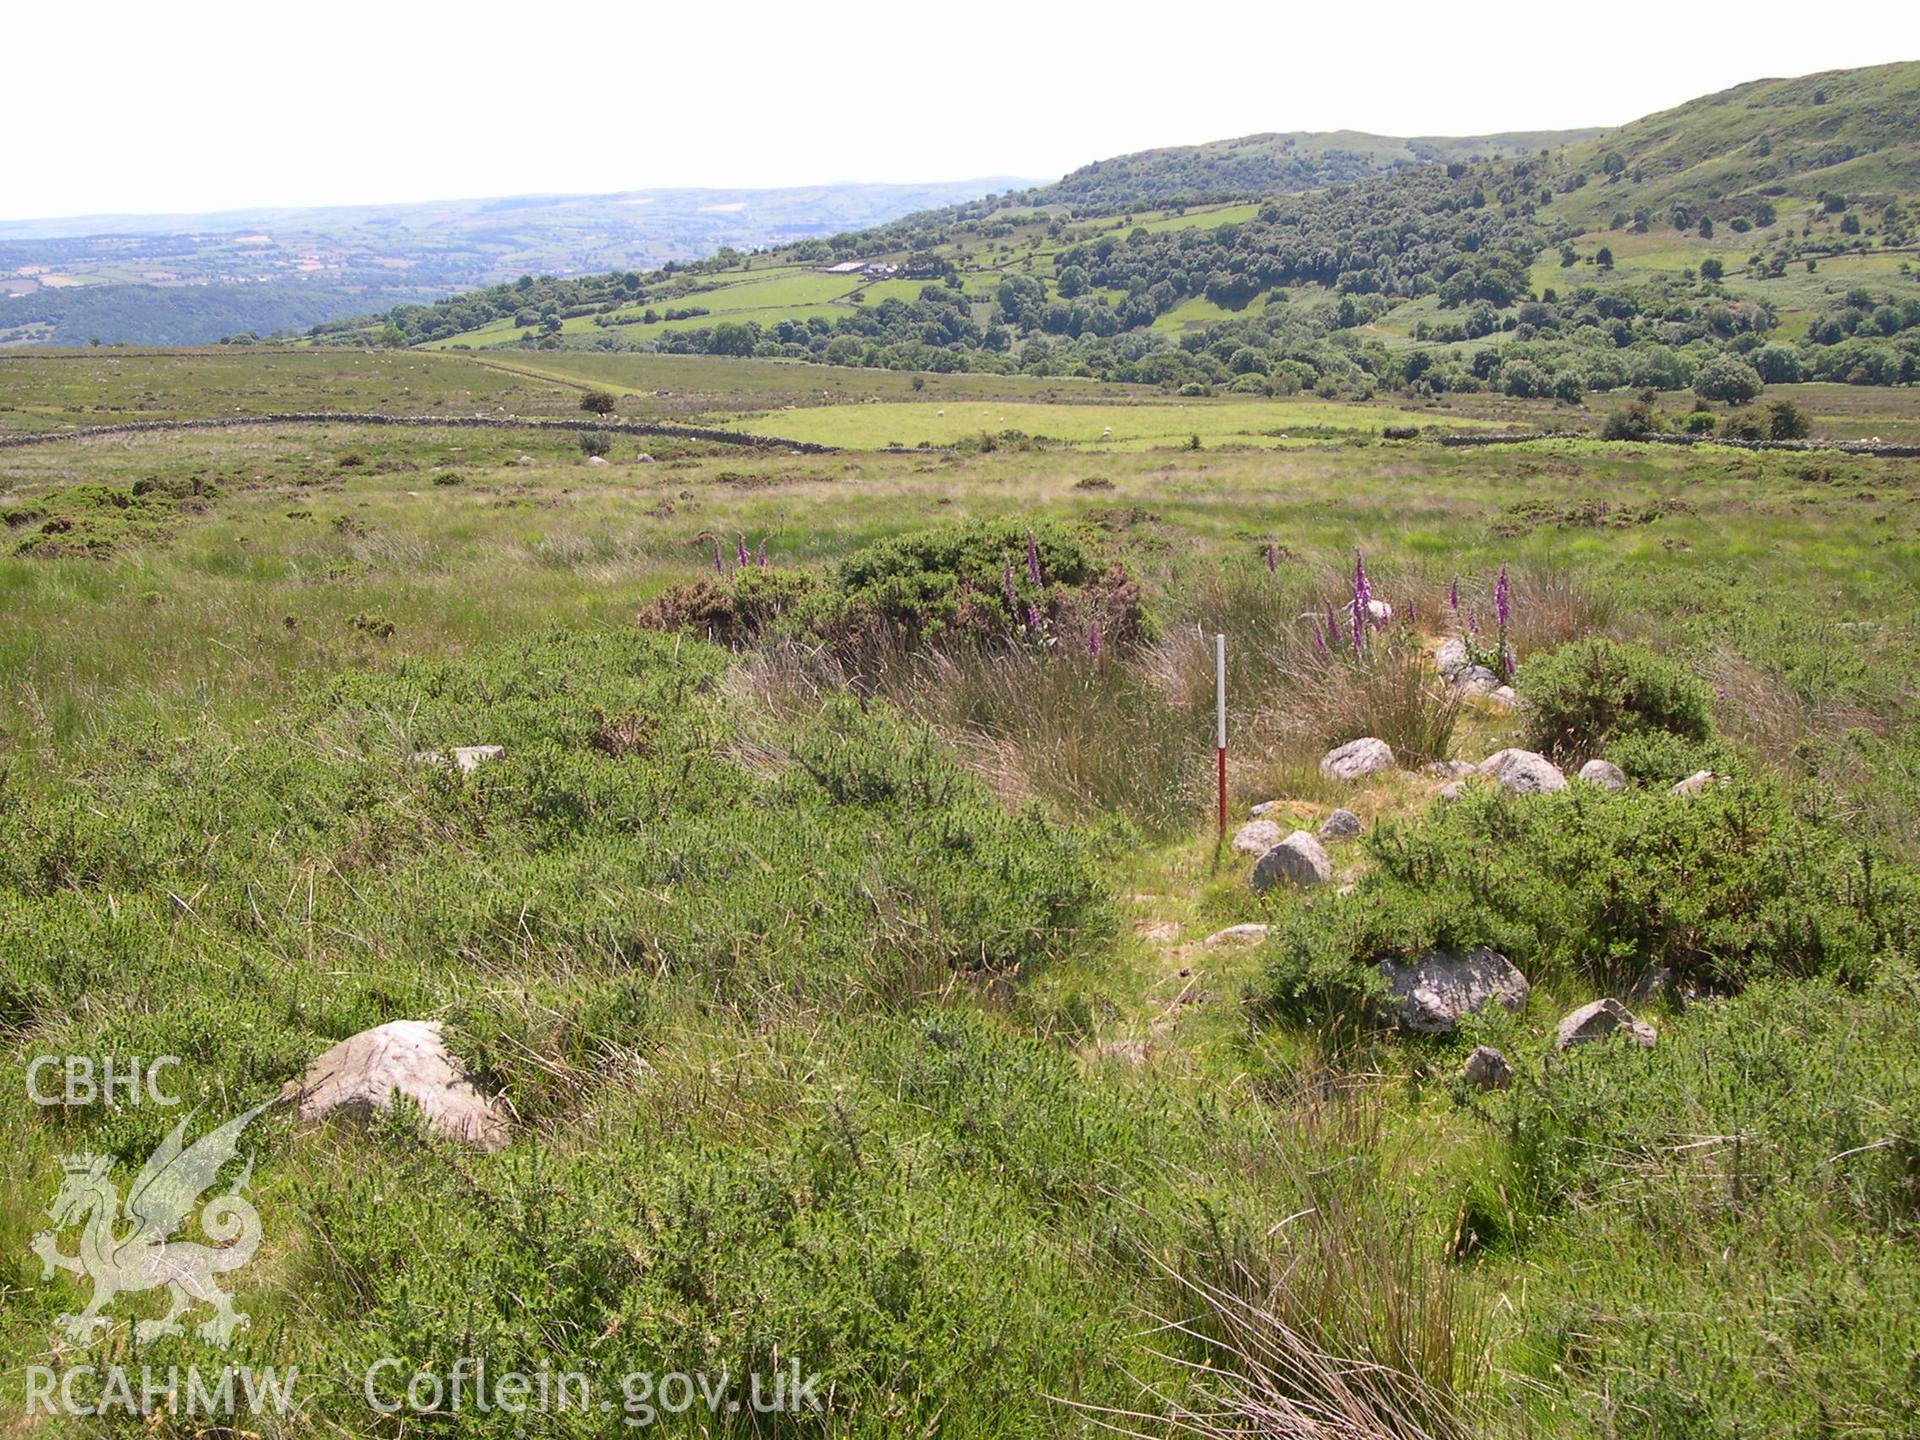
1132 425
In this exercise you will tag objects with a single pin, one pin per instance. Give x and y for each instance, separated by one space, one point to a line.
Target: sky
188 107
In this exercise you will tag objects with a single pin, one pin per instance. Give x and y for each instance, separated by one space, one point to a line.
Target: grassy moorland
843 974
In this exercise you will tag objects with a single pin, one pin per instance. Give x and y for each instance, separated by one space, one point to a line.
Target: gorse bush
1720 888
1037 585
1582 695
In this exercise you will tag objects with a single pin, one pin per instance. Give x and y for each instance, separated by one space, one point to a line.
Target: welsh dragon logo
132 1252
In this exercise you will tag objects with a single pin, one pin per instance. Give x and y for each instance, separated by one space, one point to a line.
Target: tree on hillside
1731 381
597 402
1712 269
1603 257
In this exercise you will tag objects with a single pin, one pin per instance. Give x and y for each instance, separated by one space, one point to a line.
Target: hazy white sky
200 106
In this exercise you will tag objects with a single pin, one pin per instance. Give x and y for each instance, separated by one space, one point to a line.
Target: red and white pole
1220 710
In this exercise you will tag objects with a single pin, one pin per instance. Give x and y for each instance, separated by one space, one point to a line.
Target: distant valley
191 279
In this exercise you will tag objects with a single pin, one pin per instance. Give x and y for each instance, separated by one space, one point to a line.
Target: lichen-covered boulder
1357 758
1522 772
1431 995
1297 860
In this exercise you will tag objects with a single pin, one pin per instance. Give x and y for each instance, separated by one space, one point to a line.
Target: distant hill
190 279
1854 133
1255 165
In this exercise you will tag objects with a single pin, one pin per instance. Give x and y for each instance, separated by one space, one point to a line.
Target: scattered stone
1604 773
1340 825
524 460
1296 860
1451 658
1476 680
1696 782
1506 695
1237 935
1433 993
1451 769
1487 1069
1523 772
1263 808
1379 612
641 459
1599 1020
1357 758
596 459
1256 837
1453 790
364 1071
471 757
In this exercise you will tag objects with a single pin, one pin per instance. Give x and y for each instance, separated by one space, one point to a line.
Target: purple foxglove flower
1362 591
719 566
1453 597
1033 561
1410 616
1273 560
1319 642
1502 599
1333 627
1473 623
1033 617
740 551
1006 588
1093 642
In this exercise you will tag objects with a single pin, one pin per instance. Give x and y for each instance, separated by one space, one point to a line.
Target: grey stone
408 1057
596 459
1696 782
1476 680
1357 758
1263 808
1297 860
1505 695
1451 658
1523 772
1256 837
642 459
1599 1020
1238 935
1487 1069
471 757
1340 825
1604 773
1431 995
1453 790
1451 769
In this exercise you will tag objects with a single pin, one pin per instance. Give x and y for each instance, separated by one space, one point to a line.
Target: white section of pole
1220 685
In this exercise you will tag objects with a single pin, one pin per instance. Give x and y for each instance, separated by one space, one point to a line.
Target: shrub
1582 695
1721 888
1787 421
1700 422
597 402
734 611
1744 425
596 442
956 584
